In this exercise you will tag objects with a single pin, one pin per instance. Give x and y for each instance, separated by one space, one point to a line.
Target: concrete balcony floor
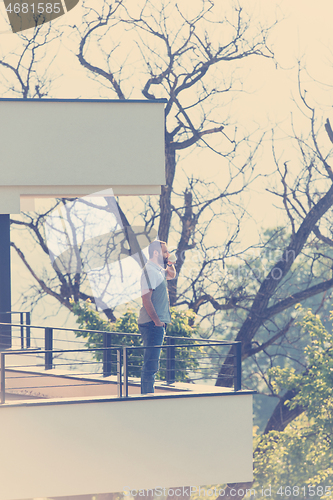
37 384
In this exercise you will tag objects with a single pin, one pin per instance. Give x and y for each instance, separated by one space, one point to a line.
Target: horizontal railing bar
211 342
214 357
34 374
54 386
58 365
73 329
193 370
46 374
26 375
194 378
69 341
190 370
23 368
59 351
99 363
174 345
186 359
25 352
15 312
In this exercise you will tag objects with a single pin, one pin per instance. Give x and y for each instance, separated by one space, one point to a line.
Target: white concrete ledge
62 449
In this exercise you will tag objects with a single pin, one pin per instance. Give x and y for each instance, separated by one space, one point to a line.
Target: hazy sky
304 33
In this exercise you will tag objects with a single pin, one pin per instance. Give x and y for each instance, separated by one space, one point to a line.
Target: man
155 312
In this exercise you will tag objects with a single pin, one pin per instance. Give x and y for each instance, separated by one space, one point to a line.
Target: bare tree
307 199
27 69
194 70
182 60
308 204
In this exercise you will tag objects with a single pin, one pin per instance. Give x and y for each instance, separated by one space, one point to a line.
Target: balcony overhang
72 148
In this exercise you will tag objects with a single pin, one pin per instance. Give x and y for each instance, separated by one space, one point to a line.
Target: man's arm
148 305
171 271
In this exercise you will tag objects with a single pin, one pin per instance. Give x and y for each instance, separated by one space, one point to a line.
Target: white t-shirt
154 278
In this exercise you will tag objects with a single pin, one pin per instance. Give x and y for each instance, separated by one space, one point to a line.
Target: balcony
72 424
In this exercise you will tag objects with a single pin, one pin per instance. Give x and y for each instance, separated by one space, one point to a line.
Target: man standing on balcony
155 311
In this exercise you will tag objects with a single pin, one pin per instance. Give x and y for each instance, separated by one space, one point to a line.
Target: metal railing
171 370
190 360
123 365
24 327
108 339
47 353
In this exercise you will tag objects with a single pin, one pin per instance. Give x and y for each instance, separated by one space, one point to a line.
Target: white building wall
102 447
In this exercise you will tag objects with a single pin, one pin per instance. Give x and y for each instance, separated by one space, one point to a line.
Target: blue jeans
152 336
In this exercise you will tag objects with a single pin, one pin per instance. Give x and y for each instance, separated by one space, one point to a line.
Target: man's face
163 257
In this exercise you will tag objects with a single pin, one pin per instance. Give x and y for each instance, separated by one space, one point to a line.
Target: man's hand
170 271
159 323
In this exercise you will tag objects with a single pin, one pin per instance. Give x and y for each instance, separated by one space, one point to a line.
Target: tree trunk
188 221
165 198
282 414
258 312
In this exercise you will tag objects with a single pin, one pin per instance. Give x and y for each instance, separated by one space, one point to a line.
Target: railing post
107 342
22 330
27 330
5 330
125 359
170 361
5 280
119 377
237 366
3 378
48 348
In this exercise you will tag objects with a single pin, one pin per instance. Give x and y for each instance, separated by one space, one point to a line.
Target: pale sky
304 33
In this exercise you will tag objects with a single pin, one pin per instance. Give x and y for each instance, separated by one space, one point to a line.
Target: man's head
158 252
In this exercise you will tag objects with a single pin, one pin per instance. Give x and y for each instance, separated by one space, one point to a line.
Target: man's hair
155 245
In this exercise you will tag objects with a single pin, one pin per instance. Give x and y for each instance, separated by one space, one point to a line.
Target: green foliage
182 325
289 350
303 453
89 319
